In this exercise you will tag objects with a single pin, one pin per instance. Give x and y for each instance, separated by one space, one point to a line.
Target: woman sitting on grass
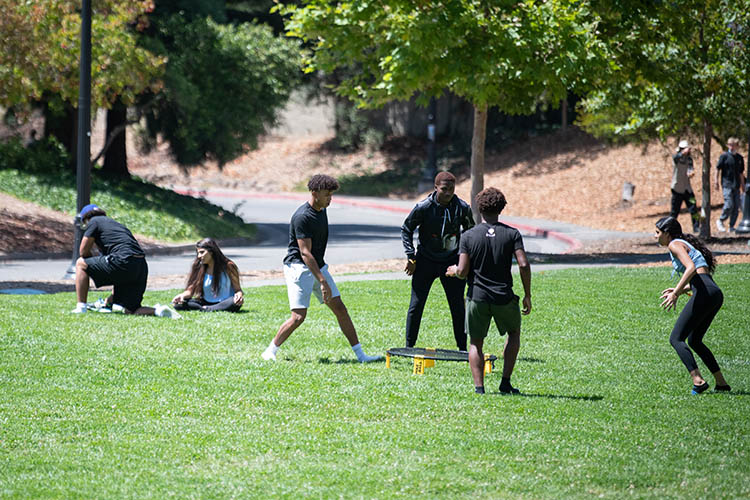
692 258
214 282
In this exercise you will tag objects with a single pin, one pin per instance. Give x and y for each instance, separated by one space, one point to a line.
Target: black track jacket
439 228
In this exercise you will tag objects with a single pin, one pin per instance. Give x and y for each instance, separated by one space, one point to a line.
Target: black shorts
128 275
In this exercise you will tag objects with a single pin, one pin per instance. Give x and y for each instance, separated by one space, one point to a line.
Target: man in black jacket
439 218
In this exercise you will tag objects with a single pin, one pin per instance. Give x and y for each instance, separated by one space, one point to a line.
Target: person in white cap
681 189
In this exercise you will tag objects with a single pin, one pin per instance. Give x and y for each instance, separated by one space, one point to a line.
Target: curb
147 249
573 243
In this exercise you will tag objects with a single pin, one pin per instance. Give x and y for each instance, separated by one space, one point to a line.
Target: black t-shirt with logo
112 238
490 248
308 223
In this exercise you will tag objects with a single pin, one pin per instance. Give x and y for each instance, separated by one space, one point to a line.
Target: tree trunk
62 125
706 181
564 113
477 156
115 155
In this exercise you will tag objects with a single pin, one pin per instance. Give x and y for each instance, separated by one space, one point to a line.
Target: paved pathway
361 230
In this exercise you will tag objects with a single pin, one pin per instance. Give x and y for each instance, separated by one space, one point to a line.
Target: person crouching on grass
213 283
122 263
485 257
692 258
306 272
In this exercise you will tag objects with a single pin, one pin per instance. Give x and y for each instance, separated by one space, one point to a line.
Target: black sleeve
302 227
413 220
92 228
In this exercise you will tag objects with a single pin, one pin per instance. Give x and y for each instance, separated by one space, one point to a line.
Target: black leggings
694 321
421 282
201 305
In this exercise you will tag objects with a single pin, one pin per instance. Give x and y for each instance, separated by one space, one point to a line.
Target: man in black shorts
121 263
486 257
439 218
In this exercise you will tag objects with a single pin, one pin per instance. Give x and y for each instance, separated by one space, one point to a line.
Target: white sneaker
268 355
720 226
80 309
165 312
370 359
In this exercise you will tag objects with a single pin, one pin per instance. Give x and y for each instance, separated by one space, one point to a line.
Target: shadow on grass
44 286
345 361
547 396
733 392
528 360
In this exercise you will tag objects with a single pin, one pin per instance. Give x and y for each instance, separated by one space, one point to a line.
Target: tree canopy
512 55
223 86
683 70
41 48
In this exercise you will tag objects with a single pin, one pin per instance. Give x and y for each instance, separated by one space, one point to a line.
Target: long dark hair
198 270
672 227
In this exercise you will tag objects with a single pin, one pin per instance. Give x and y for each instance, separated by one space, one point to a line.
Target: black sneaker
509 389
697 389
722 388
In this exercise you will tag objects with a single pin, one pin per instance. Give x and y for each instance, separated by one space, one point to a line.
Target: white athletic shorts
300 283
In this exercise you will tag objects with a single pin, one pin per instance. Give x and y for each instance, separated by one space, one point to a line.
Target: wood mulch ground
566 176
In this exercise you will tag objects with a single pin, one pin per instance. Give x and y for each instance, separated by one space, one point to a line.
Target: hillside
566 176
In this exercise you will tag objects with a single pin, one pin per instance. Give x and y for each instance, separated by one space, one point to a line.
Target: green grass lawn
108 406
144 208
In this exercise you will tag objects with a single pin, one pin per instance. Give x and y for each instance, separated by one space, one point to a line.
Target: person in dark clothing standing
485 258
731 180
439 218
681 189
306 272
121 263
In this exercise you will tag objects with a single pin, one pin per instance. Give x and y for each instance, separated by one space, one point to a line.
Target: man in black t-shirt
121 263
306 272
485 256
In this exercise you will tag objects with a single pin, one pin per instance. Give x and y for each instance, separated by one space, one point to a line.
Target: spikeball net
426 357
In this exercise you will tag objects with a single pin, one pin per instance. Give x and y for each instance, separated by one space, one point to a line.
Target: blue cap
88 208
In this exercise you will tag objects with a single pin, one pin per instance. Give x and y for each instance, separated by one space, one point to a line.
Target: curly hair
490 201
672 227
320 182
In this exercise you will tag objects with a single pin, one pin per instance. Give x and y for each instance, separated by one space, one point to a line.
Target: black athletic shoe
697 389
509 389
479 390
722 388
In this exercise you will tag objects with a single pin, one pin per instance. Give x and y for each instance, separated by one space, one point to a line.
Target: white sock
272 347
358 351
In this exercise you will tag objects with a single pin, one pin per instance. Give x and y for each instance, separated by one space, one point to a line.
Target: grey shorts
478 315
300 284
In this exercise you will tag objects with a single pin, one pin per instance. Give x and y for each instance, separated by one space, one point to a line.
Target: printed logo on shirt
490 233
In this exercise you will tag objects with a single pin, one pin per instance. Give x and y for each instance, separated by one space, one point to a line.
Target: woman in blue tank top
213 283
696 263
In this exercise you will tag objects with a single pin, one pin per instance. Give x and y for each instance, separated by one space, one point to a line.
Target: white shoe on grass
268 355
165 312
369 359
80 309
